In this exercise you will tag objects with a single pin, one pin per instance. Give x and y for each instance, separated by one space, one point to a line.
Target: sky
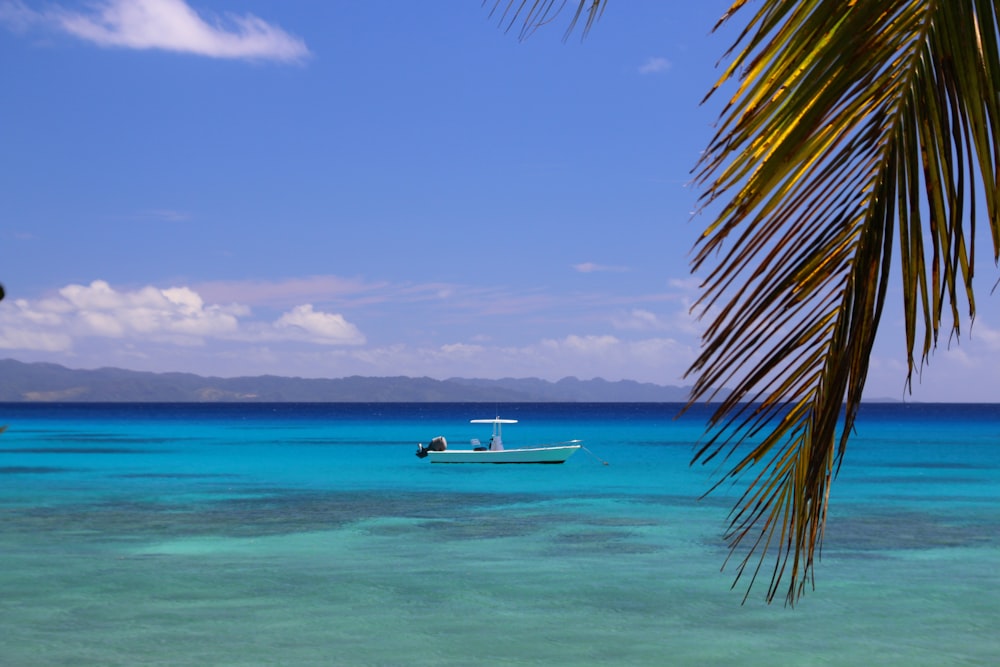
327 188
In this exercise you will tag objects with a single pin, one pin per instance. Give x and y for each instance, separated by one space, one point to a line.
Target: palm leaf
851 121
533 14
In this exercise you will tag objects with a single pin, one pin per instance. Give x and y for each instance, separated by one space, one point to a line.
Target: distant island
45 382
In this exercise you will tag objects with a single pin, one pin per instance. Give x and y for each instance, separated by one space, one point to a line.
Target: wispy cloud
639 319
155 215
654 66
281 293
660 360
592 267
358 292
169 25
17 16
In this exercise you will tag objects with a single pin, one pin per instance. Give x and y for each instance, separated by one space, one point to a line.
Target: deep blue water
298 534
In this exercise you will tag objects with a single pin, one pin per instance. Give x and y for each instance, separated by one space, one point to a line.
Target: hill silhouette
46 382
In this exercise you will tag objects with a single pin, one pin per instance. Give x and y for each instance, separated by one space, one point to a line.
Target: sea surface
310 534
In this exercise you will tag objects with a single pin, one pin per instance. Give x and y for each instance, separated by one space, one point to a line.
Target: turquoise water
312 535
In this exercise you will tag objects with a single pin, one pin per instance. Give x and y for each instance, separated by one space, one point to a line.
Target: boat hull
520 455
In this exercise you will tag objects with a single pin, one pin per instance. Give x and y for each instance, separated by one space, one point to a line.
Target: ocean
310 534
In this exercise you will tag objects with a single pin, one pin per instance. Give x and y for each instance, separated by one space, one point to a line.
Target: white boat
495 452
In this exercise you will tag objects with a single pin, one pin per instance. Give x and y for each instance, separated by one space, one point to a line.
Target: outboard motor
438 444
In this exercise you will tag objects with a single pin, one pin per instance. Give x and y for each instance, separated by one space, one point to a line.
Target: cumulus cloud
99 310
175 315
317 327
170 25
208 329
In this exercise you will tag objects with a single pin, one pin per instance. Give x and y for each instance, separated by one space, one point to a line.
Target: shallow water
311 535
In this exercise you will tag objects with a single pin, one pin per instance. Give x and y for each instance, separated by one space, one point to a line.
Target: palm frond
533 14
850 122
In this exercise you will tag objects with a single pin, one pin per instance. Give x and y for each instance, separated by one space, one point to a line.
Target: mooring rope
594 455
573 442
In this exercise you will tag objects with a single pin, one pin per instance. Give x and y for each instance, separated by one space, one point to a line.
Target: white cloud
980 332
157 314
690 285
292 291
585 344
176 315
640 320
186 328
591 267
659 360
170 25
14 338
317 327
655 65
462 350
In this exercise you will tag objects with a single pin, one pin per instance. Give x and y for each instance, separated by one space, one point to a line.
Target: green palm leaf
851 121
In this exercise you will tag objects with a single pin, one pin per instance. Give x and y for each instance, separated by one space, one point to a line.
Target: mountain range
45 382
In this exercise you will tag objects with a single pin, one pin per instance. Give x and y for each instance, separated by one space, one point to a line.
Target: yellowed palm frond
851 122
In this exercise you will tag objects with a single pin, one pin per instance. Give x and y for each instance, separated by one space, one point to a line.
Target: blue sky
326 188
